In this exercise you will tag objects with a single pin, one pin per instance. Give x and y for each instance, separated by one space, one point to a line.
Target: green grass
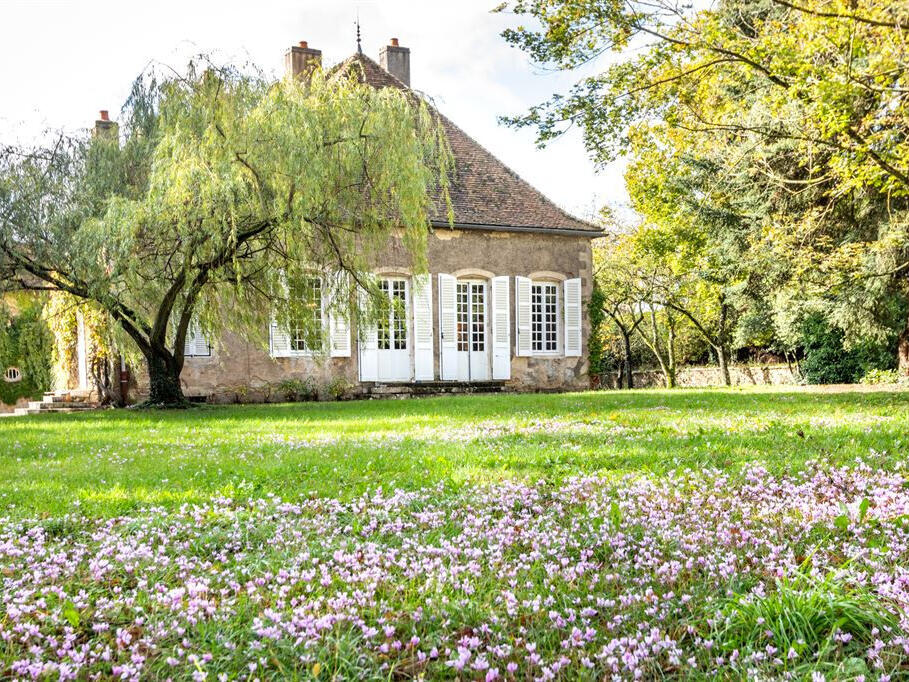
111 462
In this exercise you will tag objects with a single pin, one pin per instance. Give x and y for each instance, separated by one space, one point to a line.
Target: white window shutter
201 346
422 328
573 318
522 315
278 341
501 326
195 344
367 345
448 327
338 323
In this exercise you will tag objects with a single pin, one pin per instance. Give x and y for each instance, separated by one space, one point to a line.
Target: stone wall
6 409
703 377
242 369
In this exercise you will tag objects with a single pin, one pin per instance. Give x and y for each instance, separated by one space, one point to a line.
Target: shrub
297 390
595 346
827 361
338 388
883 376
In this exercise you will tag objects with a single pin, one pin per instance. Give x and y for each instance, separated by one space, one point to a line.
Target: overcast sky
62 61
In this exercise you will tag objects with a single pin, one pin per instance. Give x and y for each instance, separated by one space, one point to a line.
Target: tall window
544 319
478 316
463 311
392 324
306 329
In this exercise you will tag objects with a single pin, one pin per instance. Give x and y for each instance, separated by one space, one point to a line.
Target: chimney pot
104 115
396 60
304 44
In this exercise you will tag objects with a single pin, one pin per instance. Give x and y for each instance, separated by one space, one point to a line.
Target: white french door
472 341
393 347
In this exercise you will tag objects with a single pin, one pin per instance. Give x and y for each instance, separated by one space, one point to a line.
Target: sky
62 61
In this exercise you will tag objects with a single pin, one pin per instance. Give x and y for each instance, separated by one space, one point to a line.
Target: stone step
73 396
23 411
58 404
425 388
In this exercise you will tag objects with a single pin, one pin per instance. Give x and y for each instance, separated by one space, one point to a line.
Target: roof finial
359 46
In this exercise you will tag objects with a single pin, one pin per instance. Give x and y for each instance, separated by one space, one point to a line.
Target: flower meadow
699 574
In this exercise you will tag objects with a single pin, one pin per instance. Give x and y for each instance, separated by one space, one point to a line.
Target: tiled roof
484 191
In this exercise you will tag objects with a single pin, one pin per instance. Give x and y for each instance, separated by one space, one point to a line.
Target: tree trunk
722 354
164 381
102 378
902 351
629 377
722 348
670 351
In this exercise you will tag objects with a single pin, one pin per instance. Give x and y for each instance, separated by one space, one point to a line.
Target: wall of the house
242 369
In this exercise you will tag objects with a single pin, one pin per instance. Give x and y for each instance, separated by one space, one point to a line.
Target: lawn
691 534
113 462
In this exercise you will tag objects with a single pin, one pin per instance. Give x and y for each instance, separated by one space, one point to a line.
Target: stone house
502 306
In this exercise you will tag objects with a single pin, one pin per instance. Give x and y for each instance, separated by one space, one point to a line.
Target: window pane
383 328
399 314
544 317
392 322
463 317
478 315
306 329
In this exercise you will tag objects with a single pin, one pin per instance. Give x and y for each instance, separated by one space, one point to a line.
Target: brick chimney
106 128
396 60
301 60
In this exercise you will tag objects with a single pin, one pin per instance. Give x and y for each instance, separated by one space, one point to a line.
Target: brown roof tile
484 191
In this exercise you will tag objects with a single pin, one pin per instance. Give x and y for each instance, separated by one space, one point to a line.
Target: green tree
226 192
784 123
617 287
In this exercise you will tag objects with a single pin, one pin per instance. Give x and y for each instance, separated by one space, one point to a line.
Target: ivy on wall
25 343
595 345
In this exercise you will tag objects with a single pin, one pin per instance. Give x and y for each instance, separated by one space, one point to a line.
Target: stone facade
239 369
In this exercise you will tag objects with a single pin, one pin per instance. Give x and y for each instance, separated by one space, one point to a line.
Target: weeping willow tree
222 193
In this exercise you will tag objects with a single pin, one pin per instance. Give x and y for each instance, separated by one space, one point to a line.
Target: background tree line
769 166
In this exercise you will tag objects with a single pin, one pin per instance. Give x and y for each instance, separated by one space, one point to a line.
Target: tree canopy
767 144
222 192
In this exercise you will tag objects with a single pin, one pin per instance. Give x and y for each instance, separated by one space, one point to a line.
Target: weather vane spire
359 46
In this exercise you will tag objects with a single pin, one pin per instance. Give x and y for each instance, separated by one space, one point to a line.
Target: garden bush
828 361
883 376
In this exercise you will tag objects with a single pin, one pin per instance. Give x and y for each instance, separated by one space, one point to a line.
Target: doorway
472 342
392 344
